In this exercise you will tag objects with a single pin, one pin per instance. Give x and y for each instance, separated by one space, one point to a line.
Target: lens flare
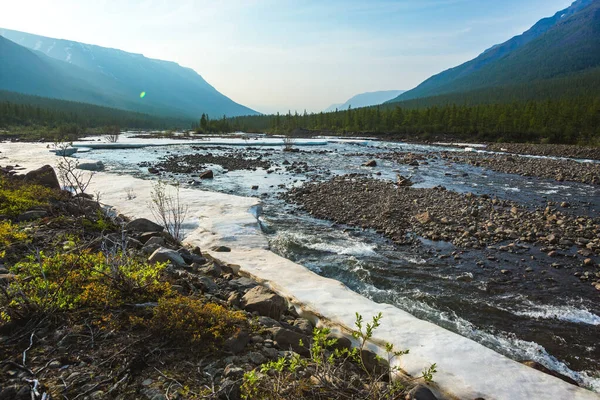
142 95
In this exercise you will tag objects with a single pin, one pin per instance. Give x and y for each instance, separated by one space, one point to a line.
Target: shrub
17 197
70 281
191 321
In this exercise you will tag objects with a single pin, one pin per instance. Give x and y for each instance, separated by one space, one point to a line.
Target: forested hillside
569 120
567 43
24 113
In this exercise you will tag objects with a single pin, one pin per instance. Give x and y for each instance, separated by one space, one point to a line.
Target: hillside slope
366 99
121 77
568 42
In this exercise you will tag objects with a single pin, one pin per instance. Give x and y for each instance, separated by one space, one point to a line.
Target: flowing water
550 317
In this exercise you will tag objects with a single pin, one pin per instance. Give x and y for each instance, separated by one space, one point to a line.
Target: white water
466 369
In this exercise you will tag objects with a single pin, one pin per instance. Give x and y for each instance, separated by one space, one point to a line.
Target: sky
280 55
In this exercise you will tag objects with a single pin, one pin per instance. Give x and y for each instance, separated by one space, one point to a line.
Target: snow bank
466 369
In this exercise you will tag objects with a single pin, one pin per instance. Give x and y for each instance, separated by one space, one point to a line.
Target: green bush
17 197
67 281
190 321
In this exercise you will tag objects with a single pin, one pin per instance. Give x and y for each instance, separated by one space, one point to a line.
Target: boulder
143 225
208 174
287 339
264 302
91 166
44 176
371 163
167 255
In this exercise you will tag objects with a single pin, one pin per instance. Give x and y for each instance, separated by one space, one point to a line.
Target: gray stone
237 343
304 326
156 241
421 392
287 339
221 249
256 358
208 174
31 215
45 176
268 322
143 225
242 283
165 255
233 371
92 166
208 285
264 302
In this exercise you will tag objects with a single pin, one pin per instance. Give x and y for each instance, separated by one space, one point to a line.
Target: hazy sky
275 55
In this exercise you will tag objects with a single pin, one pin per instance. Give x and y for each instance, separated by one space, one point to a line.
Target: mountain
366 99
75 71
568 42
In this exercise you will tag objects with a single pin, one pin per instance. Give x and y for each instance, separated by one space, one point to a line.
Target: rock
55 364
233 371
256 358
254 187
238 342
143 225
212 269
221 249
268 322
540 367
9 393
155 241
208 174
565 204
31 215
402 181
420 392
424 218
208 285
234 299
153 171
45 176
342 341
264 302
91 166
588 262
163 254
372 363
242 283
553 253
371 163
229 389
304 326
287 339
505 272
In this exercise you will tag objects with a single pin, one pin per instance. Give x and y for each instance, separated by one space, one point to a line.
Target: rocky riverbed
559 170
551 150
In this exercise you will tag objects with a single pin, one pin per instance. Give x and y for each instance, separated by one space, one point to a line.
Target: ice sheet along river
549 317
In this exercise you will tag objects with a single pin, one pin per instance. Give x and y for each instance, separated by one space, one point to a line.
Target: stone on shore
143 225
261 300
44 176
167 255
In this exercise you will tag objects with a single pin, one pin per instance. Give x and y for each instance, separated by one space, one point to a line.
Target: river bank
223 221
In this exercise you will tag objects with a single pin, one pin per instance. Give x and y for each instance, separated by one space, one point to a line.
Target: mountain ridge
456 79
171 89
366 99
